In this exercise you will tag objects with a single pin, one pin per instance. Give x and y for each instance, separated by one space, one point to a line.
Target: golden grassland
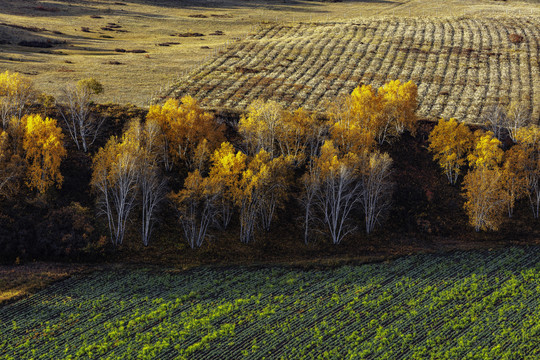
95 38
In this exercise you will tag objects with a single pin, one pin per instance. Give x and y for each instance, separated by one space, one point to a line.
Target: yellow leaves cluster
44 152
485 198
331 163
16 91
260 126
185 125
450 141
495 178
399 104
11 167
14 84
370 115
487 152
297 131
120 158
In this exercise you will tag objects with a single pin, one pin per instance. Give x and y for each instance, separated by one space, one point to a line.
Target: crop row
465 305
462 65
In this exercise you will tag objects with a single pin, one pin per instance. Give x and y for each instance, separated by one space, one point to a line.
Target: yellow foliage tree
450 141
197 205
514 175
184 127
259 191
16 91
297 133
226 170
116 169
11 167
529 138
338 189
260 127
399 108
44 152
483 184
354 120
487 152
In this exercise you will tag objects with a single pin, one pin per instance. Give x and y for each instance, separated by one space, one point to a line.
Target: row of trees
332 166
343 171
495 179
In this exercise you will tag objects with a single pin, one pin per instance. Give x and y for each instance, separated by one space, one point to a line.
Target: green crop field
459 306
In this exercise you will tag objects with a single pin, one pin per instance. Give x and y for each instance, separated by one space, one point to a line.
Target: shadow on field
66 8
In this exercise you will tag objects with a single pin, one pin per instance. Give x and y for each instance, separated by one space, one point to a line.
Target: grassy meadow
133 47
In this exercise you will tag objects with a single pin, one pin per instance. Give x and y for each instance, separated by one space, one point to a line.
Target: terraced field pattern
462 66
461 306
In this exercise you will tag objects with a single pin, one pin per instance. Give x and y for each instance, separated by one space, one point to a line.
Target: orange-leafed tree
44 148
184 126
451 141
483 184
16 93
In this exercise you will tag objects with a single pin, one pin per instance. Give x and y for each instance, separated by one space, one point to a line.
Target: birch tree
16 93
339 190
376 193
260 127
450 141
250 192
516 118
152 184
226 170
514 175
44 149
12 167
115 178
82 125
483 185
197 205
529 138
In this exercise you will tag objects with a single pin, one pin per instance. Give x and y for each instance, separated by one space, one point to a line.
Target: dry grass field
136 47
462 65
